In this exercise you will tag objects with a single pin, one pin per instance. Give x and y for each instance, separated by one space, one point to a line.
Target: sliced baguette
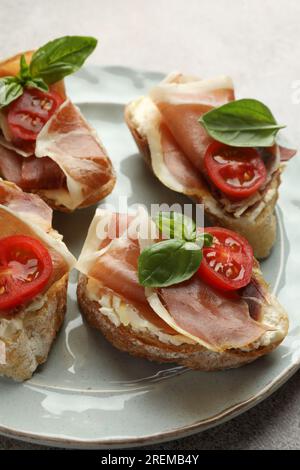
26 338
260 232
147 345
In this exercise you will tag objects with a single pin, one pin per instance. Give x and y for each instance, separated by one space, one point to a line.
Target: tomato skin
25 269
227 264
237 171
28 114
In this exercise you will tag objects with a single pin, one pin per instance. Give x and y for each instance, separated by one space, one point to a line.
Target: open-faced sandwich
46 145
34 269
222 152
198 298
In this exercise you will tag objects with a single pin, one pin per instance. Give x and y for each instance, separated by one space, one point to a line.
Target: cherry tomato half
226 264
237 171
25 269
30 112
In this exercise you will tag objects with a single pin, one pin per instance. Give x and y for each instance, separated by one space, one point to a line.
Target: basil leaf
205 239
168 262
61 57
10 90
24 73
176 225
242 123
25 77
37 83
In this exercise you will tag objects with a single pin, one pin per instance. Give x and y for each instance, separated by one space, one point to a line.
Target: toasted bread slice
26 338
260 231
150 344
27 331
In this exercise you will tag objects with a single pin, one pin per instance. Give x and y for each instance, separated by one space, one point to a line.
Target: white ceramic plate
89 394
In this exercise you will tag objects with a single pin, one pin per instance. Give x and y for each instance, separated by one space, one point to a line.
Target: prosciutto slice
286 153
193 307
69 141
176 161
28 206
116 267
181 105
30 172
206 313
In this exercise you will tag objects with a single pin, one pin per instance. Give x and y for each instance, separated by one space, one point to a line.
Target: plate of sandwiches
148 251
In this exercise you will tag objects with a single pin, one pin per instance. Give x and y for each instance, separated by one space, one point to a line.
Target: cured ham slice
111 259
10 165
286 153
41 173
68 139
181 105
191 308
118 269
176 161
28 206
30 172
219 321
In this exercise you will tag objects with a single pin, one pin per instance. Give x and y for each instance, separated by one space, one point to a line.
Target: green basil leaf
205 239
242 123
176 225
24 73
61 57
37 83
168 262
10 90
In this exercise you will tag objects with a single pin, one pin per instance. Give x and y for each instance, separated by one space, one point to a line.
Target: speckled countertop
254 41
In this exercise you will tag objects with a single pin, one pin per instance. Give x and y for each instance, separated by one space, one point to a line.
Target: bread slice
260 231
148 344
10 67
26 339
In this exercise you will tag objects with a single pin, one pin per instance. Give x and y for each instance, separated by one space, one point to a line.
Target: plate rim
160 437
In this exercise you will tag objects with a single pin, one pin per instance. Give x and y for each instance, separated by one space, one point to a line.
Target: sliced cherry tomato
25 269
30 112
227 264
237 171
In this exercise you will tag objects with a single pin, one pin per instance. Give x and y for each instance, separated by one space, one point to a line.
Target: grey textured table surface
254 41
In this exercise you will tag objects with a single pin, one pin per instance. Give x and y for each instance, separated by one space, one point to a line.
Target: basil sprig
49 64
174 260
242 123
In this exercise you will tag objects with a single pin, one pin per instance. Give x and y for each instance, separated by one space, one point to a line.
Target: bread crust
261 233
29 346
148 346
11 66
